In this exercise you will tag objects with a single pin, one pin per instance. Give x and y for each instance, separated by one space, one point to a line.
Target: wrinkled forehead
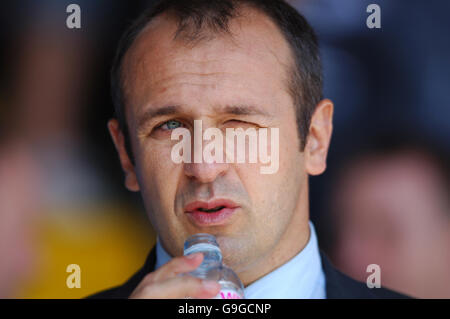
254 50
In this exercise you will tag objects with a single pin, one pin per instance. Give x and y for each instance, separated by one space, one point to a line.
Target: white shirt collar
301 277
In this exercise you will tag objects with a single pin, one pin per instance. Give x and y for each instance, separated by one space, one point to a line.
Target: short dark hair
195 16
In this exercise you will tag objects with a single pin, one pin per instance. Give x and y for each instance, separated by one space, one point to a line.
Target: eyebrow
241 109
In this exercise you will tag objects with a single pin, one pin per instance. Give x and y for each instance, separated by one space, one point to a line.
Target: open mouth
215 212
210 207
212 210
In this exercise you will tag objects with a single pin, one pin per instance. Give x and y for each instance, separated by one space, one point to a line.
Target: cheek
271 193
255 183
157 175
291 172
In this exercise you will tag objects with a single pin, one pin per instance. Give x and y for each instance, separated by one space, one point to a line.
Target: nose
205 172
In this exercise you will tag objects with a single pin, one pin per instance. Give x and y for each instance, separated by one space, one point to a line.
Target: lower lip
211 219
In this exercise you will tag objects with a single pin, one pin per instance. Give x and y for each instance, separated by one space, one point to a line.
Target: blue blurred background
384 198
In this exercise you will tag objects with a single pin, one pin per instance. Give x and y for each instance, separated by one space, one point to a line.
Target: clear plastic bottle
212 267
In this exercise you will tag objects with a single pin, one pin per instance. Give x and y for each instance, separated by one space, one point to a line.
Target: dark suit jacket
338 285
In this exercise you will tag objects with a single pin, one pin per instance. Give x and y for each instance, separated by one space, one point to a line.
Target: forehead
252 61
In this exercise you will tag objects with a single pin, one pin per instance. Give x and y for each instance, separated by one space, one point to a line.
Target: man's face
204 82
391 211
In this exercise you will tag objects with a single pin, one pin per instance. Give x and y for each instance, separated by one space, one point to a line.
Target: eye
234 122
170 125
239 123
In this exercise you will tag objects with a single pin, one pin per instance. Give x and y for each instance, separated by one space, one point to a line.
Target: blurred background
384 198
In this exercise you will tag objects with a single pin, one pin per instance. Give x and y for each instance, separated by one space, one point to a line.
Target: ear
131 182
319 137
